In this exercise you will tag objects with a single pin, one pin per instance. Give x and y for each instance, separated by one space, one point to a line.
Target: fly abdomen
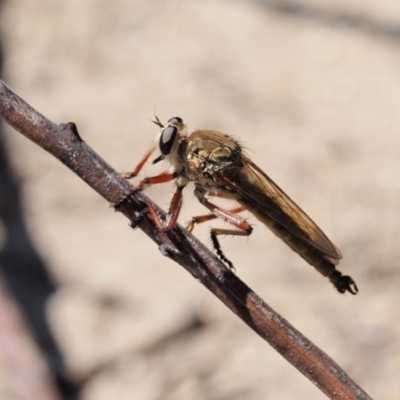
313 256
320 261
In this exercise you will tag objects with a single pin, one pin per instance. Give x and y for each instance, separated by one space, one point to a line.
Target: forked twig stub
64 142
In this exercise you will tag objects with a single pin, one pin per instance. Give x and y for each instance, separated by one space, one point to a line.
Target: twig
63 141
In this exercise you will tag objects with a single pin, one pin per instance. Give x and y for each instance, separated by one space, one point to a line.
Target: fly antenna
157 121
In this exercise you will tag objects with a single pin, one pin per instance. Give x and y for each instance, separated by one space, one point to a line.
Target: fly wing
263 197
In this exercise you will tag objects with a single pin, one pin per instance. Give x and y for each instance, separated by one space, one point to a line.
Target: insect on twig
218 167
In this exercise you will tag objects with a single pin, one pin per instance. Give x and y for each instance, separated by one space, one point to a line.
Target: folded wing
262 197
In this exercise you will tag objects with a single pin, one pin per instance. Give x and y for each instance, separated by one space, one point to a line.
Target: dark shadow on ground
25 273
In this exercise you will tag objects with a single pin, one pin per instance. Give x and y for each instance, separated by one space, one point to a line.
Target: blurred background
313 90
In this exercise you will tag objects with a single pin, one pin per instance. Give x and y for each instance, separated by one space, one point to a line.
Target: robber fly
218 167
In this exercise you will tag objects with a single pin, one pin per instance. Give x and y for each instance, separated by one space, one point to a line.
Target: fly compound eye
167 139
175 121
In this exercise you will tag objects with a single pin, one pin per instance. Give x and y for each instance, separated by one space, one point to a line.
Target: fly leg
164 177
173 212
244 228
216 231
135 172
204 218
228 216
176 202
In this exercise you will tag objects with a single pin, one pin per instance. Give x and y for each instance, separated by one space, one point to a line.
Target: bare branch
64 142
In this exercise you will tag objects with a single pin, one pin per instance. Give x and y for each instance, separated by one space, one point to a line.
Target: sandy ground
312 89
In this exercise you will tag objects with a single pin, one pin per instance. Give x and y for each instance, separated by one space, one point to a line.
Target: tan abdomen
324 264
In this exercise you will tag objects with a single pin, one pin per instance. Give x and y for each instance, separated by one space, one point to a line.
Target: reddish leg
203 218
154 180
244 227
153 214
176 203
228 216
174 208
173 212
135 172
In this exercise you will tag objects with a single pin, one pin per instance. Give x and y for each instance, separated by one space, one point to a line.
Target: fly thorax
220 155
